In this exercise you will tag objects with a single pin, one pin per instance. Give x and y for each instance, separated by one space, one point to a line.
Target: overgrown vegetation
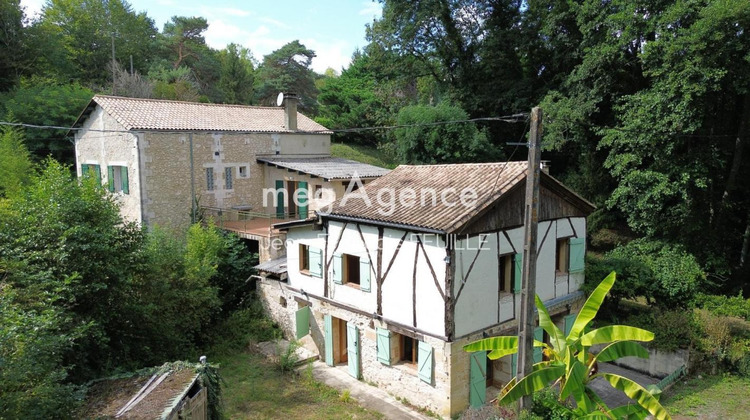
86 294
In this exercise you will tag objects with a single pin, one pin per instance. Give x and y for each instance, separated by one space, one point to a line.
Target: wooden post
527 321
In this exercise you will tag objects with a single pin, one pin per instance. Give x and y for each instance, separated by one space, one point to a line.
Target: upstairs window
92 170
310 261
352 270
210 179
506 272
117 178
228 178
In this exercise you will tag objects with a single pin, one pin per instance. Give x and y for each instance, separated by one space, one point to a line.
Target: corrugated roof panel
327 167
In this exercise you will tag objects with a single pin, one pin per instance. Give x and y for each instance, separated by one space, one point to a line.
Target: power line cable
508 118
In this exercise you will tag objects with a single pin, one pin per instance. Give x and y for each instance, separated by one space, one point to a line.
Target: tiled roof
488 180
153 114
326 167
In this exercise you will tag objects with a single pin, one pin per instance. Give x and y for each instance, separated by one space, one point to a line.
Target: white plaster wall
111 149
352 244
478 306
304 235
398 286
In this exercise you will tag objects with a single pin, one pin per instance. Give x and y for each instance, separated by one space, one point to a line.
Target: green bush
665 274
725 305
548 406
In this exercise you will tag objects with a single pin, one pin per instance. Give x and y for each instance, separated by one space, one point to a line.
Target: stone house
169 162
397 277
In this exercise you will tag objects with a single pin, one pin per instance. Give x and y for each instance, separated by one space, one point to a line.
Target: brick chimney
290 111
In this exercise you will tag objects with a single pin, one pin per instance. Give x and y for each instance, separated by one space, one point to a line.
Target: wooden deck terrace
244 223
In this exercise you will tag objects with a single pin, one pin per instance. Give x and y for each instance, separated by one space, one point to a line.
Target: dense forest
647 115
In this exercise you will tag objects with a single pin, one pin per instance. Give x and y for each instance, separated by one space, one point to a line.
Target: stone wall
399 379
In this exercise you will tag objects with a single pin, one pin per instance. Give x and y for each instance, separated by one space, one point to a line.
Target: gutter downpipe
192 180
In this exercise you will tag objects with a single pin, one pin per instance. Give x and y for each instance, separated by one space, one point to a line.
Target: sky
333 29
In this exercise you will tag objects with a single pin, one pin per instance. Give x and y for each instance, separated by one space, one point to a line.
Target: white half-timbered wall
398 291
479 304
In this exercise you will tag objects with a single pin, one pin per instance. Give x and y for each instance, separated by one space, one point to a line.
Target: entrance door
477 378
342 355
490 371
352 334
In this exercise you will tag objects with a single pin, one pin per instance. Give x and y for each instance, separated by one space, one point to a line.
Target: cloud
333 54
220 33
231 11
371 8
275 22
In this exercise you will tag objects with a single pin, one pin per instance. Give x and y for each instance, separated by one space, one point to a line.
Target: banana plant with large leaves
572 367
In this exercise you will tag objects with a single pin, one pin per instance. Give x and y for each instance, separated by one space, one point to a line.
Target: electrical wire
507 118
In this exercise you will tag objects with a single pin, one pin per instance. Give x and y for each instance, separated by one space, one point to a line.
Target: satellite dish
280 99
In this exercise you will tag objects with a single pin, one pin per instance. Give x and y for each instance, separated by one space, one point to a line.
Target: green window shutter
364 275
124 179
84 169
315 257
478 378
424 362
352 349
517 271
98 174
303 321
577 254
111 178
328 321
302 198
569 320
538 336
279 199
338 268
513 364
383 345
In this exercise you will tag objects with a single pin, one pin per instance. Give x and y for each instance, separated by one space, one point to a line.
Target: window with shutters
117 179
242 171
562 253
92 170
210 179
408 350
304 259
351 269
310 261
228 178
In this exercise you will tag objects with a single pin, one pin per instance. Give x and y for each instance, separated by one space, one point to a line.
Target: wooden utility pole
527 321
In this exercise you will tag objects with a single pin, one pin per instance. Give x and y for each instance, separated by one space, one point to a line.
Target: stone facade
447 394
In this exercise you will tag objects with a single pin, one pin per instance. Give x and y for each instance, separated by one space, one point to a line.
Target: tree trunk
739 143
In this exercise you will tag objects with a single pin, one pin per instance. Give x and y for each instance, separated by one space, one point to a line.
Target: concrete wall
480 305
659 364
111 149
302 145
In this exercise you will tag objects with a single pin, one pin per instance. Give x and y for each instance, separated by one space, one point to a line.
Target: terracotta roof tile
153 114
488 180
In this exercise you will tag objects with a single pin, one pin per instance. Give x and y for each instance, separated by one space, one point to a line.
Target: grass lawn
712 397
364 154
256 389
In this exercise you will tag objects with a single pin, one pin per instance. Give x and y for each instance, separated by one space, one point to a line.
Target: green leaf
639 394
591 307
612 333
498 346
620 349
533 382
575 379
557 337
630 411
